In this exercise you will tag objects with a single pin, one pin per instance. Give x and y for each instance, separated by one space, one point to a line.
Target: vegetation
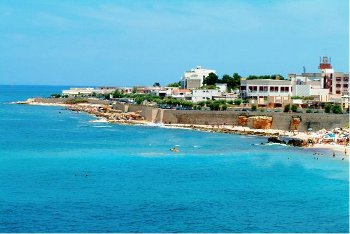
209 87
156 84
117 94
308 111
294 108
254 107
233 82
328 108
76 101
336 109
175 84
211 79
296 97
286 108
55 95
237 102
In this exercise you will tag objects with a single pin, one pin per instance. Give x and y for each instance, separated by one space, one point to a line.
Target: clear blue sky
139 42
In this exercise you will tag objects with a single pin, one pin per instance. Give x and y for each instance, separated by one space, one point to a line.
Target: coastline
106 114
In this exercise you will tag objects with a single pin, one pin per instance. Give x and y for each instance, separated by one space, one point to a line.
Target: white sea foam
99 120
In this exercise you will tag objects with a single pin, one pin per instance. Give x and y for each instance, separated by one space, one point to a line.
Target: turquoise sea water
59 172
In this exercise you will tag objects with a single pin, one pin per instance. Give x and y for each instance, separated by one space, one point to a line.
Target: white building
204 94
79 92
194 78
264 88
222 87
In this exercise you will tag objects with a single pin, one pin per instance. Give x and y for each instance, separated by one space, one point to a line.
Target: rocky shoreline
292 138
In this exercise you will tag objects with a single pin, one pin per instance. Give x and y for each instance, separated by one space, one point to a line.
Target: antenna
304 69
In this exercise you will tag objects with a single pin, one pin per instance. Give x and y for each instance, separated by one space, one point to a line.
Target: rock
275 140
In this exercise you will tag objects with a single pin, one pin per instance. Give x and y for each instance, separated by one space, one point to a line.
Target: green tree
156 84
237 102
175 84
55 95
328 108
117 94
214 105
336 109
211 79
287 108
254 107
294 108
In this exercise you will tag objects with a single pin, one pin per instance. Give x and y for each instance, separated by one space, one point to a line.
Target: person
333 154
175 149
345 152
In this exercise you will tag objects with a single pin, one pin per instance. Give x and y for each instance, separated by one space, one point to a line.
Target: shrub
336 109
76 101
214 106
294 108
55 95
328 108
308 111
286 108
224 107
254 107
237 102
230 102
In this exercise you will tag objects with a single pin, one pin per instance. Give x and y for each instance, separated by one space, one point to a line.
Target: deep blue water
59 172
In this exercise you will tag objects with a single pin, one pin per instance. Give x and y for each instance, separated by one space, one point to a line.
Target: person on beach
333 154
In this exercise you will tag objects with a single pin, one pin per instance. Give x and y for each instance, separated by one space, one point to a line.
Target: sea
61 171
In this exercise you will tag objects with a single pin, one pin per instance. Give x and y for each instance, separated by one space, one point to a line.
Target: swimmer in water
175 150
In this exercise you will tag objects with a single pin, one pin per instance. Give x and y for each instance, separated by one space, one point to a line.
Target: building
222 87
337 83
205 94
75 92
265 87
340 83
194 78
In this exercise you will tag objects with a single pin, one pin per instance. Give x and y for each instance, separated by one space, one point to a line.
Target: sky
127 43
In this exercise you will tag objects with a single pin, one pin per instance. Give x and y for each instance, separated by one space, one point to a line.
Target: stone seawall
261 120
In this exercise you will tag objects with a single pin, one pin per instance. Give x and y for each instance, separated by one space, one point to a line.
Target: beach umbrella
309 129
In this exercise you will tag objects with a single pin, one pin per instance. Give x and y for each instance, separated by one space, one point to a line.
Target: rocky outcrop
242 120
260 122
295 123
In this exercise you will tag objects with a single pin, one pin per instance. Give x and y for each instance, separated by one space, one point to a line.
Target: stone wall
274 120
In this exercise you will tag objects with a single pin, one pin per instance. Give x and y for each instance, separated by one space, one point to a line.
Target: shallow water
62 172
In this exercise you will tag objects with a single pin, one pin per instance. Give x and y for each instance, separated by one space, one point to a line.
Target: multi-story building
265 88
340 83
194 78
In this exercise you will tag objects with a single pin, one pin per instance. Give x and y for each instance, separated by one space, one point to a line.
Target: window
345 85
284 89
243 87
338 79
338 85
346 79
337 92
253 88
263 88
273 88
